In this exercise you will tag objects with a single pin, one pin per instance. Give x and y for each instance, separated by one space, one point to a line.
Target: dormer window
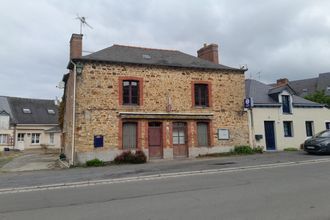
27 111
286 105
51 111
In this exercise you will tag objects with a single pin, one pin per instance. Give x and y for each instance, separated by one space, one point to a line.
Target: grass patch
290 149
238 150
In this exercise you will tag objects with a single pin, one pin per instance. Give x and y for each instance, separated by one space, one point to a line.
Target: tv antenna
83 22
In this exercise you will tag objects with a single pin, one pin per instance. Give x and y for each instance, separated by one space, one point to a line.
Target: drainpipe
73 113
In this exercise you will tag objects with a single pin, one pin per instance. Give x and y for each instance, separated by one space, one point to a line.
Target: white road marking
157 176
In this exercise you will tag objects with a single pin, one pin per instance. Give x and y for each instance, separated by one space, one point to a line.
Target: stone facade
99 109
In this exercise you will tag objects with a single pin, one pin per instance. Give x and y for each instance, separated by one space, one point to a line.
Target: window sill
201 107
286 113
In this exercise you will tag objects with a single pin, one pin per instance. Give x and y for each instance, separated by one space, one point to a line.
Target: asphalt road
31 178
289 192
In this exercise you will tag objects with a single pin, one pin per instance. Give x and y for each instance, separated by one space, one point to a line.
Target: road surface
285 192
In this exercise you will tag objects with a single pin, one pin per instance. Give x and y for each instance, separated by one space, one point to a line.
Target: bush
62 156
258 150
139 157
290 149
243 150
94 163
129 157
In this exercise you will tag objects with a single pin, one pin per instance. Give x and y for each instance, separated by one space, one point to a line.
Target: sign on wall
98 141
248 103
223 134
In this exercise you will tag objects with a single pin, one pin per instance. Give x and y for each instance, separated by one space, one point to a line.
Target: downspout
73 114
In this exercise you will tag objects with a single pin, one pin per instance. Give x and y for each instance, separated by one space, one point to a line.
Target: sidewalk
29 178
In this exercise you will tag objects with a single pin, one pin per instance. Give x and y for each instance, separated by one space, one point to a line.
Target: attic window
27 111
146 56
51 111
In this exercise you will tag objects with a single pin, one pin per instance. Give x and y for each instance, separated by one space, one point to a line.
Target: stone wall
98 104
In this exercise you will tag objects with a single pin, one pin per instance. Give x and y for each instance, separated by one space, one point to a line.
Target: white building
28 123
280 119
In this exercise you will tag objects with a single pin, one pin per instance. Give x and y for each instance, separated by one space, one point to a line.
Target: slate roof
261 96
148 56
305 87
324 82
4 105
39 110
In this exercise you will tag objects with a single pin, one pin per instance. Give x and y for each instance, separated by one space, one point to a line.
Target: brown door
155 140
179 133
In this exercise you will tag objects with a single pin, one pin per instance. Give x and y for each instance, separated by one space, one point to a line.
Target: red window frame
121 90
209 93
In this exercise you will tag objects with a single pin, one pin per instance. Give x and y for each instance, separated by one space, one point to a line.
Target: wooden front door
155 140
179 133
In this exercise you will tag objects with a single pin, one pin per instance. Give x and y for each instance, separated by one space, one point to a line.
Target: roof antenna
83 22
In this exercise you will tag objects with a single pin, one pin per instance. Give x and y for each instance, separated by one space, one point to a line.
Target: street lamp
79 68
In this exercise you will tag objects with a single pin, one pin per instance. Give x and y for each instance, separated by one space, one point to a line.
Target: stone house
167 103
28 123
280 118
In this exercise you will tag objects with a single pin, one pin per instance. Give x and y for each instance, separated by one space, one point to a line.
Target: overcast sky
278 38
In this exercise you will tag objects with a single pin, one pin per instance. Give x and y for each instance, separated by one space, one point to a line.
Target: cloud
277 38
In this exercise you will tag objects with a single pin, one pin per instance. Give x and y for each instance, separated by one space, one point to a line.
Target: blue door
270 135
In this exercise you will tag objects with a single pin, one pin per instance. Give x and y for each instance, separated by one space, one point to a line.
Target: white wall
44 137
6 130
300 115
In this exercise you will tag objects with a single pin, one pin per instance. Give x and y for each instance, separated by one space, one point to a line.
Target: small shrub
62 156
258 150
290 149
243 150
94 163
139 157
129 157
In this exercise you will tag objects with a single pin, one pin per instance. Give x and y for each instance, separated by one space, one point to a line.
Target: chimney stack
209 52
76 46
282 82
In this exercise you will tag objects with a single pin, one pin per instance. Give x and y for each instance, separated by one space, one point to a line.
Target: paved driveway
31 160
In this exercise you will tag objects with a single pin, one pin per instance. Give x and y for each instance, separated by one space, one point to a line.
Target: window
179 133
309 128
51 111
130 92
20 137
27 111
3 138
201 95
51 138
202 134
287 128
327 125
35 138
286 104
129 135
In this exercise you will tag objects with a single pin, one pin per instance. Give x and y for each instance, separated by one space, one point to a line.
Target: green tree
319 97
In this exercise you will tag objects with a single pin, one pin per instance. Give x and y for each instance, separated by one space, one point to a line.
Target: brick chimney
76 46
209 52
282 82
